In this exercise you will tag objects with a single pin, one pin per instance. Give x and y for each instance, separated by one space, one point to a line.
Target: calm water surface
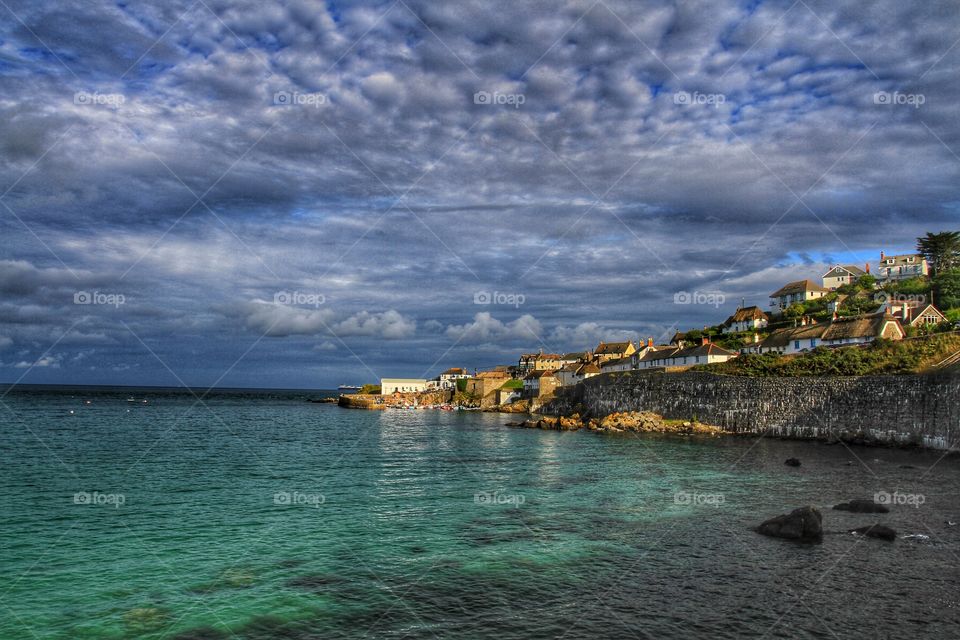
264 516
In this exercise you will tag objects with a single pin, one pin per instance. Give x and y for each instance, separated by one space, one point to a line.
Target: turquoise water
264 516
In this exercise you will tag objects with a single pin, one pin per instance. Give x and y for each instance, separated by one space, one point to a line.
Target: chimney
705 340
649 342
803 321
881 255
835 316
866 267
756 338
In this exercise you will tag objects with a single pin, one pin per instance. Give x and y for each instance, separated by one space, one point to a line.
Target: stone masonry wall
923 410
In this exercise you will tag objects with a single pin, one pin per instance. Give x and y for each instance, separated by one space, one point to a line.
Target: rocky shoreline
621 422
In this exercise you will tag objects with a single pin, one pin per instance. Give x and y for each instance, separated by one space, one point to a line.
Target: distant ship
348 388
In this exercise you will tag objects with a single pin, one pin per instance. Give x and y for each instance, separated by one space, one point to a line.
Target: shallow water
263 516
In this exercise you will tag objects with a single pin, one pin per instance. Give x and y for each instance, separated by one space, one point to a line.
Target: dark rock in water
792 462
861 506
907 466
803 525
316 582
291 563
203 633
876 531
514 424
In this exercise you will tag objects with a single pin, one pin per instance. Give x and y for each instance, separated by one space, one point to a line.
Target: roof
618 361
902 259
845 269
746 314
492 374
708 349
454 371
659 353
541 373
678 336
918 310
858 327
574 355
572 366
399 380
610 348
588 368
800 286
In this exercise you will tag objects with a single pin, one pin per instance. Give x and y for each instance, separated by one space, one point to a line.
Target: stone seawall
909 409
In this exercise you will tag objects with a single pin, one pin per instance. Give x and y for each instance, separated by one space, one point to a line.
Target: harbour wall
921 410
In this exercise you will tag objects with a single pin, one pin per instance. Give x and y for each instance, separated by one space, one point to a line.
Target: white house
620 364
840 332
843 274
746 319
704 353
448 379
908 265
655 357
800 291
402 385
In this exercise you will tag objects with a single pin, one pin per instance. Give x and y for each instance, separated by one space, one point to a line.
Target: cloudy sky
302 193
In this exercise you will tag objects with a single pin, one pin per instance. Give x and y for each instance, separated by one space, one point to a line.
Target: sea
178 514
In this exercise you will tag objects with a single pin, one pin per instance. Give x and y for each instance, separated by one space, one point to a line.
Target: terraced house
613 351
839 332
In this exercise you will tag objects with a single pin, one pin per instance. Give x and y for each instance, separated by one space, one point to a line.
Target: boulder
861 506
802 525
792 462
876 531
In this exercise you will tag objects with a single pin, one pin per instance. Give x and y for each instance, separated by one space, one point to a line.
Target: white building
448 379
402 385
842 274
908 265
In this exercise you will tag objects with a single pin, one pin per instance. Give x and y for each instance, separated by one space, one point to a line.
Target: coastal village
847 306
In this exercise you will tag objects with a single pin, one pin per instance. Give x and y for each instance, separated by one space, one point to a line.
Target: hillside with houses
905 296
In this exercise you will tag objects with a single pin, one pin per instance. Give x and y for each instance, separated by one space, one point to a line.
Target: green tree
866 282
794 311
942 250
946 286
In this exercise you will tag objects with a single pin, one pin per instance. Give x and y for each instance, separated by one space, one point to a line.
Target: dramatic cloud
168 169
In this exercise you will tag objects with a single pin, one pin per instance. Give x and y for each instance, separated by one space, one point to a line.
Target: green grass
881 357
